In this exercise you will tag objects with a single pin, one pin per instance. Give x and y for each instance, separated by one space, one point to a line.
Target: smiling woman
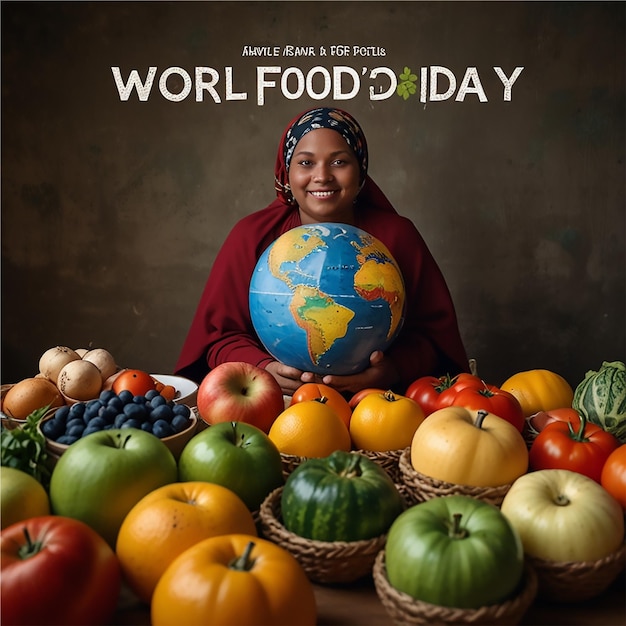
321 175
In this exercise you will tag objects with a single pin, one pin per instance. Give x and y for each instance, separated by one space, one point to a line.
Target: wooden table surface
357 604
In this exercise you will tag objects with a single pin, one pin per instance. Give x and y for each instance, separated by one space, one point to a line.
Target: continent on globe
324 296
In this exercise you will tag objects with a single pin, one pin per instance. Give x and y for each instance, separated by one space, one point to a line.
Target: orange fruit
334 399
384 422
309 429
171 519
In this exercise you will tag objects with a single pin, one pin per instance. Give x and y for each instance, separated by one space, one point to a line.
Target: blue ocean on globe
324 296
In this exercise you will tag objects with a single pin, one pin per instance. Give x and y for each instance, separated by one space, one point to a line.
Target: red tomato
57 570
426 391
613 477
137 382
559 446
487 397
455 385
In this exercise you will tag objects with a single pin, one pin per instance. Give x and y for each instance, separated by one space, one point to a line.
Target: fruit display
157 510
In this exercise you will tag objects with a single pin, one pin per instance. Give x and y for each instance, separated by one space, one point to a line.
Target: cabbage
601 398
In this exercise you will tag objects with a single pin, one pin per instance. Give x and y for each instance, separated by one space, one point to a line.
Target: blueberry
161 429
116 403
157 400
53 428
119 420
67 440
61 413
136 411
131 423
125 396
77 410
108 414
97 422
179 423
76 430
139 399
151 394
181 409
147 426
162 412
89 430
107 395
76 421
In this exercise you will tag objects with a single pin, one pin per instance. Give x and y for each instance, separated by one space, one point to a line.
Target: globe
324 296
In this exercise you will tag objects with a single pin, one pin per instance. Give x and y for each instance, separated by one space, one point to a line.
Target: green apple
236 455
22 496
100 477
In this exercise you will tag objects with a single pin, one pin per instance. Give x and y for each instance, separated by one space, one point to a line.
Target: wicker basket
388 460
323 561
424 488
569 582
290 462
403 609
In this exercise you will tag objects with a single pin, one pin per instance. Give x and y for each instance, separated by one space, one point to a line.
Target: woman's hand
381 373
290 378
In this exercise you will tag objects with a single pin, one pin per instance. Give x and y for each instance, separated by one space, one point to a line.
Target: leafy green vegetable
24 448
601 398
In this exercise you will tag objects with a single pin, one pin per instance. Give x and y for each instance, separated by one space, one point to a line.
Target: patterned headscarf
323 117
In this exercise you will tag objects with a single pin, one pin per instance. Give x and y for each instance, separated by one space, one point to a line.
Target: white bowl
186 390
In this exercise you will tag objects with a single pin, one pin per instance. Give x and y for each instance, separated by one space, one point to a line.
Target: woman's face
324 177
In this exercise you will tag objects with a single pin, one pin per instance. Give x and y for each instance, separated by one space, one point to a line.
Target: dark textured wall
113 210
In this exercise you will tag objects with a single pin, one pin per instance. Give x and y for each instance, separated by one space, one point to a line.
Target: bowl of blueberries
174 423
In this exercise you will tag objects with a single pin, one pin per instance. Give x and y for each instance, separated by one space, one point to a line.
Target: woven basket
323 561
290 462
388 460
424 488
569 582
403 609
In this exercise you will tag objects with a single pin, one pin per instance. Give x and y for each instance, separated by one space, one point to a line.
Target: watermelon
601 398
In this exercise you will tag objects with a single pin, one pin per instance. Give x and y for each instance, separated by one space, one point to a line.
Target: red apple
240 392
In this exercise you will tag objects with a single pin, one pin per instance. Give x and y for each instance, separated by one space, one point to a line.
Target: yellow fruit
29 395
385 421
22 497
171 519
310 429
80 380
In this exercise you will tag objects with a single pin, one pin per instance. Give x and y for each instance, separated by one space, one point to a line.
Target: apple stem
456 532
480 418
243 563
30 548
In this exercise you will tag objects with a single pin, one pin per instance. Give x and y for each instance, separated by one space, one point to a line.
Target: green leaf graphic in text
406 86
